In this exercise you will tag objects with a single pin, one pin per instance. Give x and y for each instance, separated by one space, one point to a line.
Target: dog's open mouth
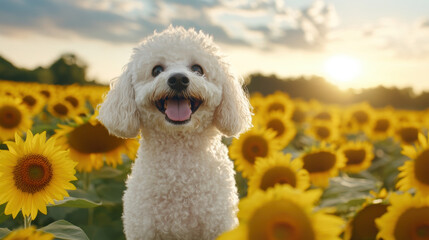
178 109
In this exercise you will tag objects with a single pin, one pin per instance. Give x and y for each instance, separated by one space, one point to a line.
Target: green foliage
65 230
67 69
345 189
76 203
314 87
4 232
93 211
3 217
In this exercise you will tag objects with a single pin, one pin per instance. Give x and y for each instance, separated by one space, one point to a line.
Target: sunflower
362 225
33 101
358 117
405 116
13 118
407 132
29 234
382 125
257 102
8 89
279 101
74 95
323 131
90 142
279 123
284 213
359 156
278 169
256 143
46 90
33 173
95 94
322 163
300 111
414 174
61 109
407 218
329 113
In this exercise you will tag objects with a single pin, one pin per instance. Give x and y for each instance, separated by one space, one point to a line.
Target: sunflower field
306 170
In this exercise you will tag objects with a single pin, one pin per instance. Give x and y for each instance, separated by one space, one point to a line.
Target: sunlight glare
342 68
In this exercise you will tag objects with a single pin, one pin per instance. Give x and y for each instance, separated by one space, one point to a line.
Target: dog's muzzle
178 82
178 106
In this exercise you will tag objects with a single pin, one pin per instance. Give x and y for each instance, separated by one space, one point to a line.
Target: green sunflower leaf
111 193
107 172
76 203
344 189
3 217
65 230
4 232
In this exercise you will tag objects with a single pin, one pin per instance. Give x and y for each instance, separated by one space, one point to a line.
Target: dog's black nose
178 82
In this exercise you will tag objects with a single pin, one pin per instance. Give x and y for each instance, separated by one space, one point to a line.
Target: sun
342 69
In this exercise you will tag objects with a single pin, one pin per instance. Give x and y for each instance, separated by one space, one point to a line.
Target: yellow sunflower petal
34 178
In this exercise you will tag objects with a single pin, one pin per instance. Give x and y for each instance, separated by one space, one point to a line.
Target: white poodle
179 92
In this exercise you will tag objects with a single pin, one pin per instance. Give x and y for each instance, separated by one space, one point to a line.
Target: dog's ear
233 115
119 112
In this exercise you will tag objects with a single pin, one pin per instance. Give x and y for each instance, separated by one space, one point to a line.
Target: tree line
314 87
70 69
67 69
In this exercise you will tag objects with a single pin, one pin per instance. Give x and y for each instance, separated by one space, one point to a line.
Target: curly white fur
182 184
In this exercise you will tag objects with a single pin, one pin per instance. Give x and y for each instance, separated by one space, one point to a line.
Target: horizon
287 78
350 44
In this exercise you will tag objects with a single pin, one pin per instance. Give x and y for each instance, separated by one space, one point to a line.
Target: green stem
87 181
90 216
27 221
86 186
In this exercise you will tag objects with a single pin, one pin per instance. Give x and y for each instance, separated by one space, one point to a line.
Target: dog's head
176 80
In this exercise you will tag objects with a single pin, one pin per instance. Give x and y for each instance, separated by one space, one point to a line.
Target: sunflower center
280 220
32 173
381 125
319 162
29 100
409 134
10 117
72 100
323 132
278 175
254 146
355 156
422 231
298 116
361 116
277 125
323 116
282 229
87 138
45 93
61 109
363 225
413 224
276 107
421 164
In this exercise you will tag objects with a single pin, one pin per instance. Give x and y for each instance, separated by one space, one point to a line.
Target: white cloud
277 23
260 23
388 37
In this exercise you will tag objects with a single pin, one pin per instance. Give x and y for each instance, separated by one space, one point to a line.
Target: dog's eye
198 69
157 70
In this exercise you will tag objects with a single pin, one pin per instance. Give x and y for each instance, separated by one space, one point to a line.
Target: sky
353 44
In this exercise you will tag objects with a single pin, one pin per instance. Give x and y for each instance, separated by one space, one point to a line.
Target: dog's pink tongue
178 109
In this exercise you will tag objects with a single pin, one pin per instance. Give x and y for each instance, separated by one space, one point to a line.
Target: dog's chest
190 192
